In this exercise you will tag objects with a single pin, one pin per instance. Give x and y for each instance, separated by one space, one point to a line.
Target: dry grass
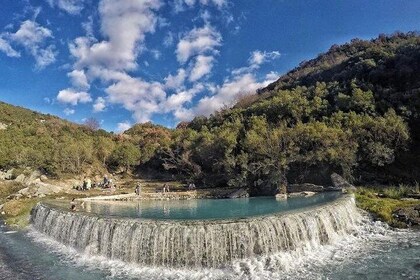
7 188
17 212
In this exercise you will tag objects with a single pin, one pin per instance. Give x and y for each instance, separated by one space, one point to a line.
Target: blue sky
129 61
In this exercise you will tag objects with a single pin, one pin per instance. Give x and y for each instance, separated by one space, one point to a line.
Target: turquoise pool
200 209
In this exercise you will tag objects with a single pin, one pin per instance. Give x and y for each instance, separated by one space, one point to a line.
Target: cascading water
203 243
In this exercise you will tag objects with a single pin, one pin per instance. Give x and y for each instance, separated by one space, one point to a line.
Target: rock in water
340 183
281 196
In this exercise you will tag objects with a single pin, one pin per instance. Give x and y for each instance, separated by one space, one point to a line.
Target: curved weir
197 243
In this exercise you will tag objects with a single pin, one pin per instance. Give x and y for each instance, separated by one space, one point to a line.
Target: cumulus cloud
112 59
79 79
70 96
202 67
138 96
176 101
177 81
259 57
123 126
229 91
72 7
124 24
198 41
8 49
255 60
69 111
99 105
32 37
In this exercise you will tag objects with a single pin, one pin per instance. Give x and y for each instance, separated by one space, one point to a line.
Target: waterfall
211 243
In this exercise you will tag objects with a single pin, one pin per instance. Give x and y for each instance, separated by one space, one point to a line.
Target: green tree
125 155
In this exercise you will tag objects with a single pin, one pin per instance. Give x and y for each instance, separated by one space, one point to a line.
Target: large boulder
340 183
408 215
305 187
33 177
20 179
39 189
6 175
239 194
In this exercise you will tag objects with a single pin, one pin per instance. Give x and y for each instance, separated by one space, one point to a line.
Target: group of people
106 183
87 184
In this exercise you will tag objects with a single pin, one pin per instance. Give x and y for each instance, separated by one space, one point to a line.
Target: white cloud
99 105
180 5
124 24
30 34
8 49
176 82
255 60
175 101
228 93
202 67
183 114
44 57
72 7
73 97
198 41
138 96
168 40
79 79
88 26
218 3
258 57
123 126
32 37
69 111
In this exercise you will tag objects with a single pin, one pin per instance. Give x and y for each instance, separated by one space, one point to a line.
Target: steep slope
39 141
353 110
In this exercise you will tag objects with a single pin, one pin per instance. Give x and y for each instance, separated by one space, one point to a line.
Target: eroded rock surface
408 215
341 183
305 187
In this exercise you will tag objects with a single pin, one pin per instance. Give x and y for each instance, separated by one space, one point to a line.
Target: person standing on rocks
88 184
138 189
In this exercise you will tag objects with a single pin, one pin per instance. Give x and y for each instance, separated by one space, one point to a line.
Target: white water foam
312 260
305 263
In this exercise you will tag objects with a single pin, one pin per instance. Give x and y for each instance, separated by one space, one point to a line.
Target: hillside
353 110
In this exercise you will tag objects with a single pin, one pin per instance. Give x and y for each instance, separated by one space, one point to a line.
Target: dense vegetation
353 110
60 148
